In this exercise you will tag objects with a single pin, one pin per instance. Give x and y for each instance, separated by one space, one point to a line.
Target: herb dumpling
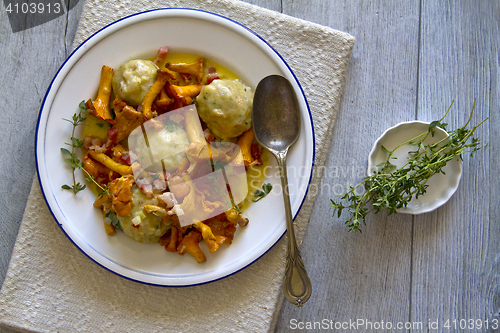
142 226
167 146
226 107
132 80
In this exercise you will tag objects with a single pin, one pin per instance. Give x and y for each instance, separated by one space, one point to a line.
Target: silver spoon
276 123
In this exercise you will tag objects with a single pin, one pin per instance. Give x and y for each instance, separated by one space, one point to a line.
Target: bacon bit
212 77
145 186
133 157
102 179
167 175
167 199
212 74
91 141
209 136
162 53
99 149
112 133
126 159
87 142
95 144
159 185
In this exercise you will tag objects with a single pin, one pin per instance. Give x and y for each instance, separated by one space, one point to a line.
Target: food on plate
169 150
226 107
142 224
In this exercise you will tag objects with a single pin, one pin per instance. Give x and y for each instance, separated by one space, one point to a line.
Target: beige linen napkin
52 286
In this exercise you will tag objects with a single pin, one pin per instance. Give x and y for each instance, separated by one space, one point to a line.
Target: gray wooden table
411 59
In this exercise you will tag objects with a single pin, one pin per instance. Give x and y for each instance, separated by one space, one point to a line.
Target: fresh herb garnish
236 207
218 164
171 126
77 119
113 219
393 189
266 189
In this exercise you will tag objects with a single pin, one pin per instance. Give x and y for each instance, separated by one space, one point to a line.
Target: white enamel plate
140 35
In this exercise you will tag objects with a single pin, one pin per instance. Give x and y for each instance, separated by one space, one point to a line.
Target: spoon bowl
276 109
276 123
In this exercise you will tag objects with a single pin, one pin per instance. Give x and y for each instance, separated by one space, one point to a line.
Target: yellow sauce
96 127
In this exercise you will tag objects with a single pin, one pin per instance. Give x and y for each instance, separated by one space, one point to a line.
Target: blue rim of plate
84 44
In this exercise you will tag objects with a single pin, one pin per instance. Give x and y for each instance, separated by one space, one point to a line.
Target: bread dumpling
226 107
132 80
142 226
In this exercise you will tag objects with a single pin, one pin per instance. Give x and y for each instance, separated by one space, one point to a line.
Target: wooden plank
456 249
269 4
20 52
73 17
22 100
366 275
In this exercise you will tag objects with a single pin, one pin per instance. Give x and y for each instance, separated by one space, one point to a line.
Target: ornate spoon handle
297 287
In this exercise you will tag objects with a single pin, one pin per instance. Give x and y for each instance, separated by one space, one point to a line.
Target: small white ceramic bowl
137 36
441 186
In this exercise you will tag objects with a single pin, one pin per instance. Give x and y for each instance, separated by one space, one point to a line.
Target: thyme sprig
266 189
72 158
235 206
390 188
